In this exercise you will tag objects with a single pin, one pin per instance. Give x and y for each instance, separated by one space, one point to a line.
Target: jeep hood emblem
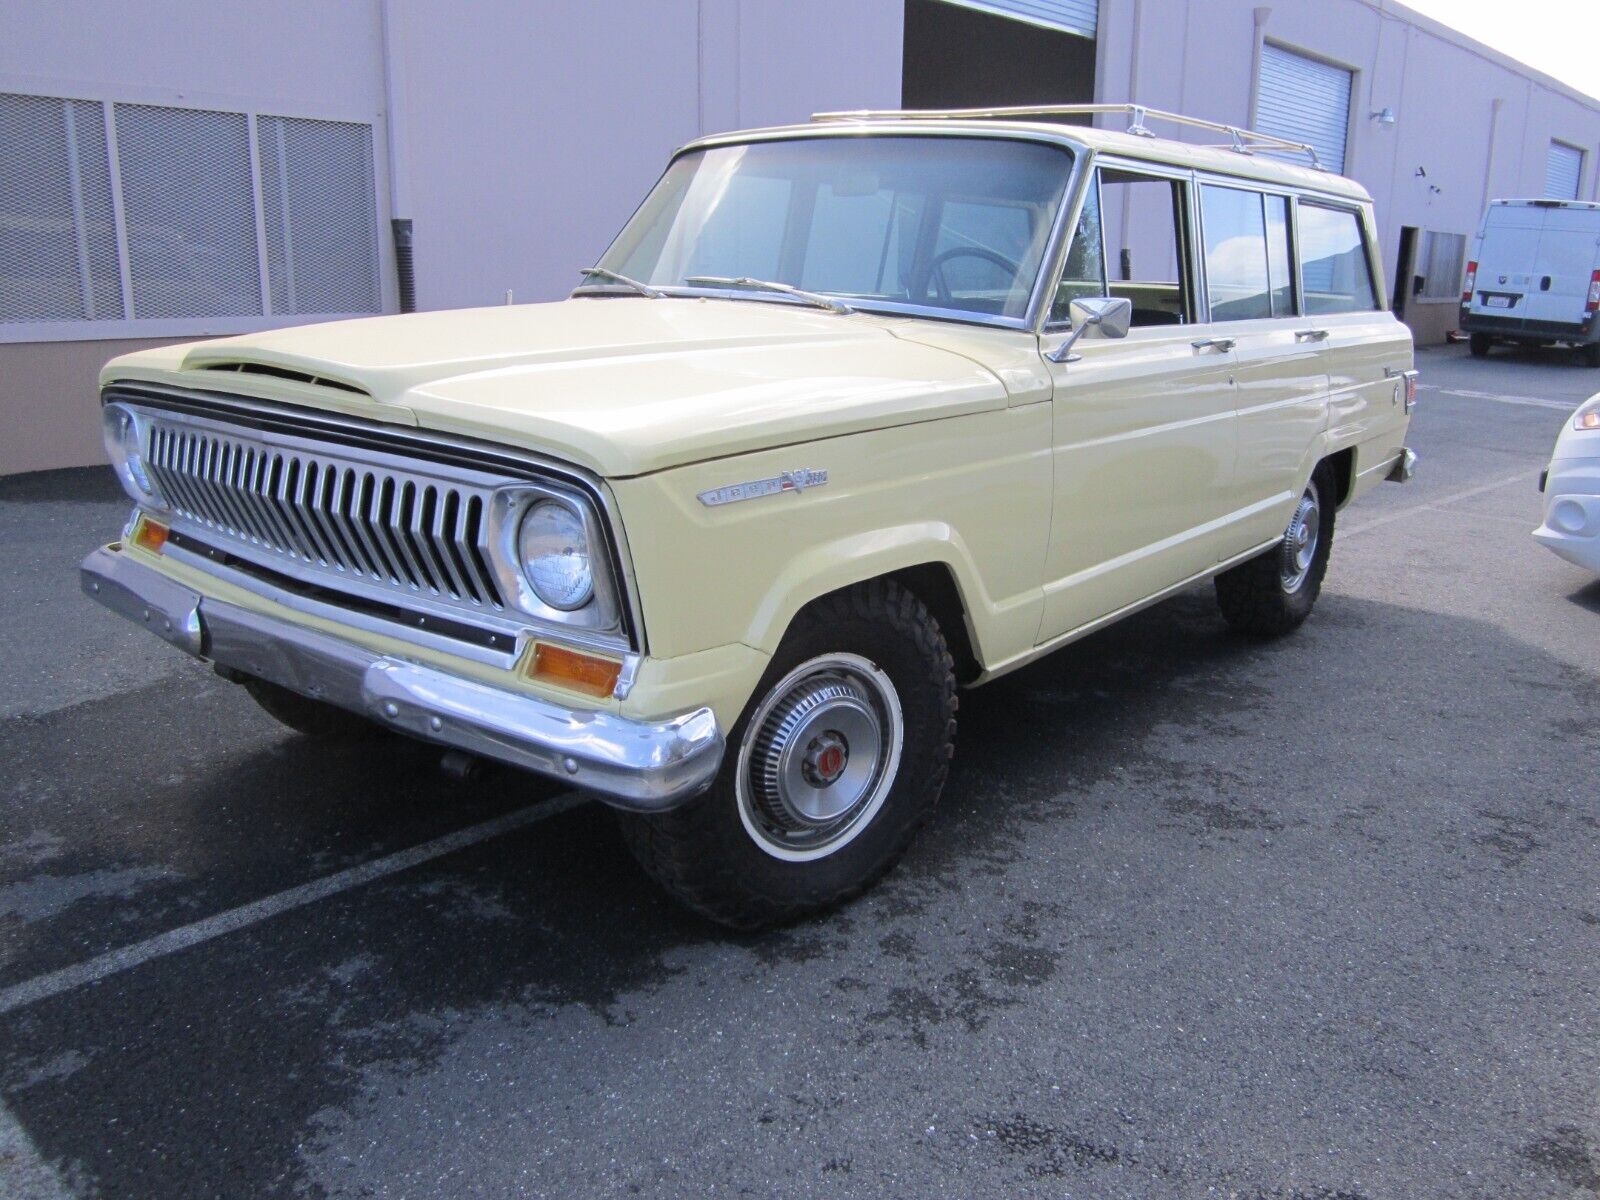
789 481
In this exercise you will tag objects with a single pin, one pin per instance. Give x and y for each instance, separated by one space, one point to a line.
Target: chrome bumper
633 765
1404 467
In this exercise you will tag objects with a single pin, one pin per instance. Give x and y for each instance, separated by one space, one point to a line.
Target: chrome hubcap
1300 541
819 756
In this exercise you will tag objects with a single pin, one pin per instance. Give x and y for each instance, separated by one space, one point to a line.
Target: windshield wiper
766 285
644 289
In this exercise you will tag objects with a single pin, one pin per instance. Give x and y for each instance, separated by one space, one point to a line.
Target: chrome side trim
634 765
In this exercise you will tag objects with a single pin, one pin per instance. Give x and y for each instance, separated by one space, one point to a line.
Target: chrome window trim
423 452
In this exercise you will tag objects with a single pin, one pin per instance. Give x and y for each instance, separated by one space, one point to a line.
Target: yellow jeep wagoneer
850 416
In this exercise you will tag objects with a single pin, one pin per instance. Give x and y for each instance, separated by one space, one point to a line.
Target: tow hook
461 766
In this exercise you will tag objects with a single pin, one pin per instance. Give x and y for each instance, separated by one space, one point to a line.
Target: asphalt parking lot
1199 917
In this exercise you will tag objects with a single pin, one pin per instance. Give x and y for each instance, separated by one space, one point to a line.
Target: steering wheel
936 277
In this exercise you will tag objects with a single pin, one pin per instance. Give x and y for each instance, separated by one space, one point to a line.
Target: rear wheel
1274 592
314 718
1591 354
1480 343
838 760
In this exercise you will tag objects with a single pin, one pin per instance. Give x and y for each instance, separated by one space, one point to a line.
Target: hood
623 385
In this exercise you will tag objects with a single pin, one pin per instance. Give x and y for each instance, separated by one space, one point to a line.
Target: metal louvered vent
113 211
319 212
255 368
332 514
186 196
58 239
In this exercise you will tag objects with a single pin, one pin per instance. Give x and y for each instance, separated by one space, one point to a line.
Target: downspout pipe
400 227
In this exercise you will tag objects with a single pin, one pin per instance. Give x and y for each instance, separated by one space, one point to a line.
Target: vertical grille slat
329 514
468 526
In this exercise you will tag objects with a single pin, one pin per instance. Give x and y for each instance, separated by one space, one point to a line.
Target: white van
1534 277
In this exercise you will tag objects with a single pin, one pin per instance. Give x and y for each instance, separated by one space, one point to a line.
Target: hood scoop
255 368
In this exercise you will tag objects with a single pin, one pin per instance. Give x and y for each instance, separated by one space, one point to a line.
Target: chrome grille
376 523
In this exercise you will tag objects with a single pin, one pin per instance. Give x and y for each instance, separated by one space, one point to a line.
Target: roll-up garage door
1304 100
1562 171
1074 16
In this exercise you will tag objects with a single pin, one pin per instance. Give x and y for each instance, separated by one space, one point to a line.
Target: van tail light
1469 283
1594 294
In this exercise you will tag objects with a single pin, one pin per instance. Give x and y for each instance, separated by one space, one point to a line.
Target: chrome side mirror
1110 315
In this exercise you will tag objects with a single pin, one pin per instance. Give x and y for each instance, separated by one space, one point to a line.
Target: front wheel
837 761
1273 593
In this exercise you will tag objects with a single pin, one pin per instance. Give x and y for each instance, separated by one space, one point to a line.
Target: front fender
971 493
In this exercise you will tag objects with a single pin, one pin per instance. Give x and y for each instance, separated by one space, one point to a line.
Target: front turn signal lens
1587 420
587 673
150 535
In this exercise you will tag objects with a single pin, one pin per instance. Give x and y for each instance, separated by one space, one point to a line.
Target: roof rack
1242 141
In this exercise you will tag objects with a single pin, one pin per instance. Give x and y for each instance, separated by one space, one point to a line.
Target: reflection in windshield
952 223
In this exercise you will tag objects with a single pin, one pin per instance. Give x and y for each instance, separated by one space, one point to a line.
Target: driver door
1144 427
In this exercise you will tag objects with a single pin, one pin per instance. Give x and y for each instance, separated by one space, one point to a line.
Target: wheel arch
931 564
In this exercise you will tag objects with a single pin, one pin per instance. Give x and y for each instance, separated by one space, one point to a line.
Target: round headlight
554 548
126 454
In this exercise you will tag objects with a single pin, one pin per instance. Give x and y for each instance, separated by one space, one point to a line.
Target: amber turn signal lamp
150 535
572 669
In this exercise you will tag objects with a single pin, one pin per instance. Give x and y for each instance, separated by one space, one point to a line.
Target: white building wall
524 132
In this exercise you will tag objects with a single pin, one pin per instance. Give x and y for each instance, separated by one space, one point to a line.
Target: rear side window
1333 261
1235 253
1246 253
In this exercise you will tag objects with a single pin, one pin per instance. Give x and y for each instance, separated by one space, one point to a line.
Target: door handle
1222 344
1311 335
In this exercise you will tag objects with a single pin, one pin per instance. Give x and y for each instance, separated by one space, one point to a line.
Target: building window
1440 264
1563 171
140 212
1304 100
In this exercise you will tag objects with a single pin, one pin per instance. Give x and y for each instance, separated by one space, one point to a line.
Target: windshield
949 223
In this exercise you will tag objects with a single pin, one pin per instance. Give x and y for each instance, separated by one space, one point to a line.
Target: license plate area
1498 300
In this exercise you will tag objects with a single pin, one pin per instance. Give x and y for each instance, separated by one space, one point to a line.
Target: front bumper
1571 525
633 765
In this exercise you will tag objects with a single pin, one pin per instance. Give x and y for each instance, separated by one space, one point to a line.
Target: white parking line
1523 477
23 1173
1500 398
53 984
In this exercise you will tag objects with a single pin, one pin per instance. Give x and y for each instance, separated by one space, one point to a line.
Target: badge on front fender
789 481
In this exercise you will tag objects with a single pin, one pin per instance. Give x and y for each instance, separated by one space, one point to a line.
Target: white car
1571 487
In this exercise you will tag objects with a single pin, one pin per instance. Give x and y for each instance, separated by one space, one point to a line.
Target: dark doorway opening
1405 267
959 57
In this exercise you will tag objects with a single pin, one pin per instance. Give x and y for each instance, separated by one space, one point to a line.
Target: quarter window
1333 261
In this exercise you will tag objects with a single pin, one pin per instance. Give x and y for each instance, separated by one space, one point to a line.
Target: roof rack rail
1243 141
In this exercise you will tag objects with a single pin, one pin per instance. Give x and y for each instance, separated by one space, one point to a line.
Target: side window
1246 253
1085 270
1280 273
1333 261
1236 253
1144 231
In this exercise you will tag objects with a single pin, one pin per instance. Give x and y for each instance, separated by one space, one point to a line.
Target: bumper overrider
634 765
